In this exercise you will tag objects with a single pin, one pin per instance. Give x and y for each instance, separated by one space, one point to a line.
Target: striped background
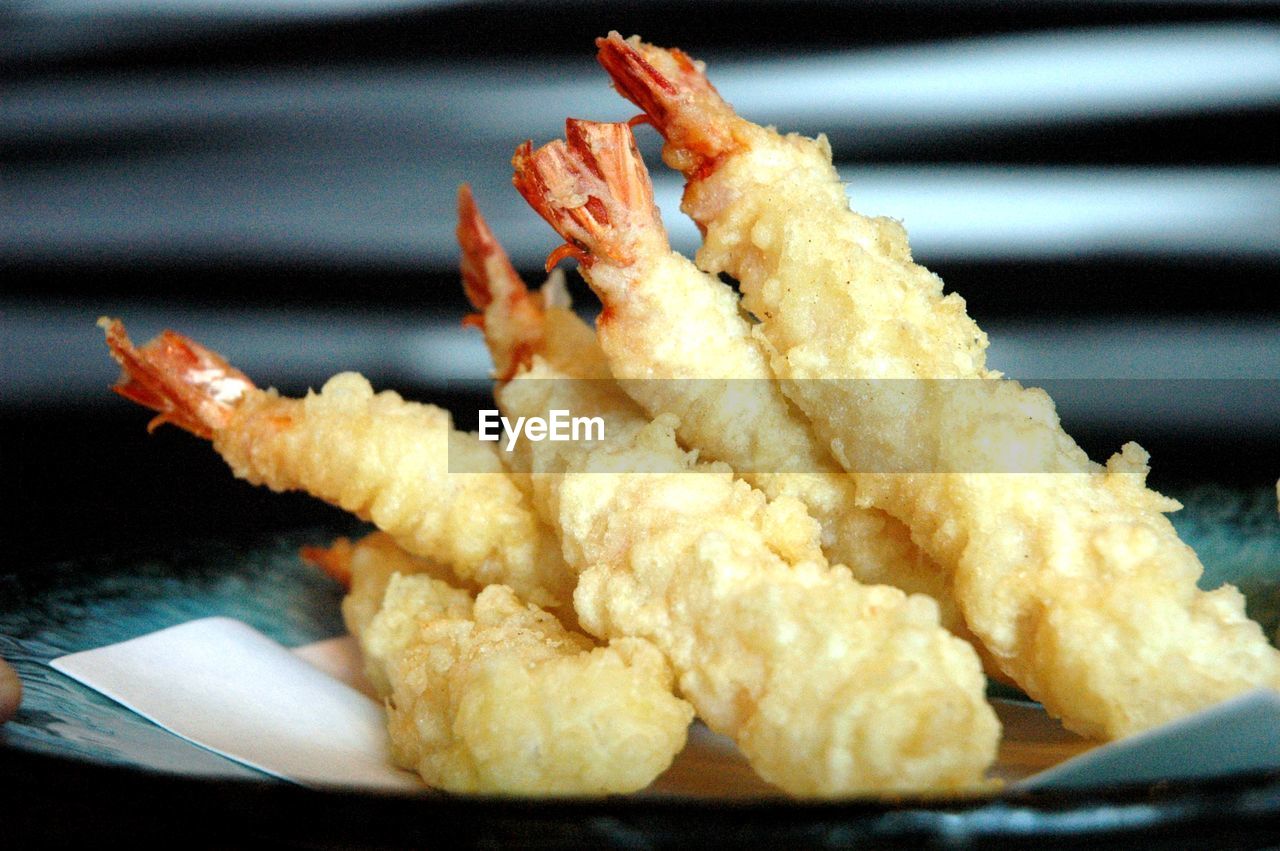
1100 180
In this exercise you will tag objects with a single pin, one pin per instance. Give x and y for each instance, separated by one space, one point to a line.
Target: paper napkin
226 687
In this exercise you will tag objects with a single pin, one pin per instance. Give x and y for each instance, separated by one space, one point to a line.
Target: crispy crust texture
485 693
1071 575
829 687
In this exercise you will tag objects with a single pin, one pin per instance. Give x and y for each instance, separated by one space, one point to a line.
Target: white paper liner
226 687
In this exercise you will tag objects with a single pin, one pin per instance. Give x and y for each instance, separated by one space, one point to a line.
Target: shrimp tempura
678 342
828 686
487 694
1070 574
365 568
382 458
515 322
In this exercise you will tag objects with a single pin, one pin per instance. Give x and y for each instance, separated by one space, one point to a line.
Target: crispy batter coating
518 323
366 567
488 694
828 686
677 339
1071 576
374 454
387 460
483 695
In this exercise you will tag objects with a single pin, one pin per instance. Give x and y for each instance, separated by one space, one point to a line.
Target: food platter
76 752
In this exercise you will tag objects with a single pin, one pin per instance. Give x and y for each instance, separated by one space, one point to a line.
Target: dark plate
85 768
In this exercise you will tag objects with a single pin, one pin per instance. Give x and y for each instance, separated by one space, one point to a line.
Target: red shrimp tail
334 560
186 384
637 80
610 151
677 99
510 317
593 188
552 181
487 272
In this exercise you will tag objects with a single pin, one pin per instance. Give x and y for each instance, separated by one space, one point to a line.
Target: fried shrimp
1070 574
516 323
679 344
382 458
365 568
487 694
828 686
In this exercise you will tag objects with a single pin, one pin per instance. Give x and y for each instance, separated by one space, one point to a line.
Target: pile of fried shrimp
835 586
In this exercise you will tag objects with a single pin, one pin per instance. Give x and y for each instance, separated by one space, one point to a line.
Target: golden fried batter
1071 575
487 694
677 339
374 454
828 686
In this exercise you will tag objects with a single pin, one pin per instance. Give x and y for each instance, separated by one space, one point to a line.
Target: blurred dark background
1100 180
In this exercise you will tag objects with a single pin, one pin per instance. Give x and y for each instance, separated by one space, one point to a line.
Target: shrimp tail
549 180
486 269
188 385
593 188
333 561
511 318
677 99
609 151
